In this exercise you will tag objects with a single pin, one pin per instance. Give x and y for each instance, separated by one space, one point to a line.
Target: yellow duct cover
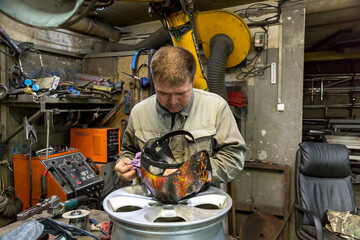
215 22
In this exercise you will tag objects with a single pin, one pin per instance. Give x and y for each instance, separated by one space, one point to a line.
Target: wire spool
77 218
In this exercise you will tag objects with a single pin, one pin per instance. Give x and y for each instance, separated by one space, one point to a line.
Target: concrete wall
271 135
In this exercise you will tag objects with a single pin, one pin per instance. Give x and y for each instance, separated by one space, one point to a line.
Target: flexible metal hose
156 40
221 47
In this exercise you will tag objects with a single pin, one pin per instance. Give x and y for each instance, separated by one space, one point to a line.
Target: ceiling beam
329 55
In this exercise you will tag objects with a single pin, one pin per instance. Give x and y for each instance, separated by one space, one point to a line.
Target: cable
142 65
103 4
2 183
27 54
9 46
264 9
30 172
9 167
97 204
255 71
110 190
3 91
188 8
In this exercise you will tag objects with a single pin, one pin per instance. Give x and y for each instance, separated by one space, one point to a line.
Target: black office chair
322 182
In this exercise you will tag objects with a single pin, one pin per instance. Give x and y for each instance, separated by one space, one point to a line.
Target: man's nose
173 99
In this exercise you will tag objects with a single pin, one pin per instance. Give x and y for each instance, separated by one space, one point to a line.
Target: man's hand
169 171
123 171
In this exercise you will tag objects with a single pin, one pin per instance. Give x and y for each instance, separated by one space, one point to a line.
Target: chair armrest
315 218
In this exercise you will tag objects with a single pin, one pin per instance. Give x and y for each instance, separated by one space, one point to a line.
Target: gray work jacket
207 117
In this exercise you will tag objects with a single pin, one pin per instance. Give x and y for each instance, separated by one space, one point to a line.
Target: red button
79 182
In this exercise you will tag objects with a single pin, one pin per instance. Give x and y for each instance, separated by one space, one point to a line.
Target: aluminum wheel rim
191 211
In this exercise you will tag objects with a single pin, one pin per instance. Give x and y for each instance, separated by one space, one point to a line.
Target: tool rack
53 106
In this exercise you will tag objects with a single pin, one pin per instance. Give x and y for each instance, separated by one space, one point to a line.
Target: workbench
99 216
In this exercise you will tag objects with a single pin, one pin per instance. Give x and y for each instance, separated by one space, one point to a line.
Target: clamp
30 133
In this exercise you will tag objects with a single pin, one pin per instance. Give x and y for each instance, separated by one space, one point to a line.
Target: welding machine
68 174
102 145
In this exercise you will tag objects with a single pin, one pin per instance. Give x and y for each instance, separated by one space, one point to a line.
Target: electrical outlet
280 107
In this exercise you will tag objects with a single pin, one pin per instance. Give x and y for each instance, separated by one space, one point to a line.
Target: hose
221 47
156 40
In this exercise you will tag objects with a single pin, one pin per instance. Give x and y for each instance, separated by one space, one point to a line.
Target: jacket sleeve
128 142
229 148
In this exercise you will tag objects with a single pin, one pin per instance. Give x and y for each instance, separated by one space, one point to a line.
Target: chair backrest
323 179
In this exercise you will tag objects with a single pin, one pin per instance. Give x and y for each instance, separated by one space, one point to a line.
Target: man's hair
173 66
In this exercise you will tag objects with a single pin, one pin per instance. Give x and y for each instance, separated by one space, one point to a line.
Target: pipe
90 27
183 34
156 40
221 47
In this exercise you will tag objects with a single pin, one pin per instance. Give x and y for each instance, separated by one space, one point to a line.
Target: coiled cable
10 205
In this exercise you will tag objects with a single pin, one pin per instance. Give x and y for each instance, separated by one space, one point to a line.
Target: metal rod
47 117
338 82
344 121
333 89
331 75
79 110
357 105
322 90
233 209
312 90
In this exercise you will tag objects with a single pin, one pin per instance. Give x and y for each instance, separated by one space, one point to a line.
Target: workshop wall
271 123
62 52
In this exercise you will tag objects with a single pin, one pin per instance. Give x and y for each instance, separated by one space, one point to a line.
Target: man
177 105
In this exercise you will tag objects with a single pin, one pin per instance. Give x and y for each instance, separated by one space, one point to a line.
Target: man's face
174 99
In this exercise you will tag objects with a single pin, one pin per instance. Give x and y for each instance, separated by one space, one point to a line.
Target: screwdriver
133 76
95 223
